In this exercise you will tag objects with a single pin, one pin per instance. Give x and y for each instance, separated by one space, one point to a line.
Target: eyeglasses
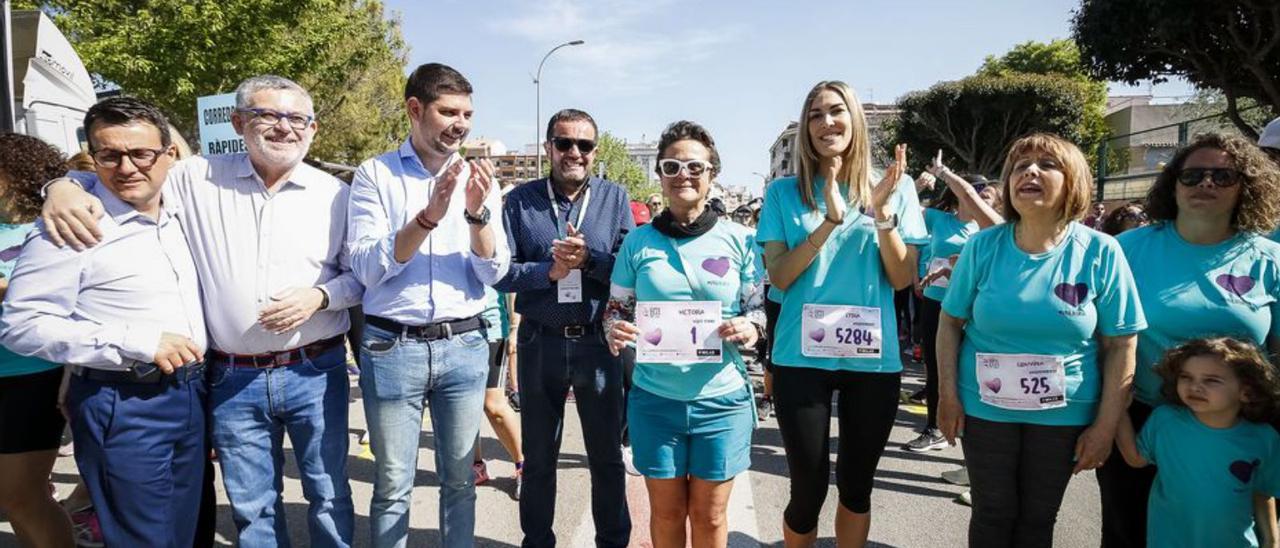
142 158
271 117
670 167
1222 177
563 144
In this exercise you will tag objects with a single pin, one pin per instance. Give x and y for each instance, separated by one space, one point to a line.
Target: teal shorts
709 439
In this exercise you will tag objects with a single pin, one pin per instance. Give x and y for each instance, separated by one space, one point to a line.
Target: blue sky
739 68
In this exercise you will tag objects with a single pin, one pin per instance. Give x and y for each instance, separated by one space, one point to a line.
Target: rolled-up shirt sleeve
491 269
39 313
371 239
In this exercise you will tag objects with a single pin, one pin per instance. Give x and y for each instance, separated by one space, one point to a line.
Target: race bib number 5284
840 331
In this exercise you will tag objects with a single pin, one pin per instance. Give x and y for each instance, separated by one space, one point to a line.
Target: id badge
840 331
677 332
937 264
569 288
1021 382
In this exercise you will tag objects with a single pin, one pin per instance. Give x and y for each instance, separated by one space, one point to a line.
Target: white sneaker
959 476
965 498
627 461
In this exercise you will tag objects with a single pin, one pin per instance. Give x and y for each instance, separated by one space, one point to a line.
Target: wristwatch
479 220
887 224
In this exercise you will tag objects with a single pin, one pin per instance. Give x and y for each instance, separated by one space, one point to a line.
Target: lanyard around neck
555 209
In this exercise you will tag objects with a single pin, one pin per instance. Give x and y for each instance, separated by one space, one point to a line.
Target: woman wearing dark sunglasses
1203 268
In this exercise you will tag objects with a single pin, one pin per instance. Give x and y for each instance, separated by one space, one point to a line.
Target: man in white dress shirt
267 234
425 238
126 318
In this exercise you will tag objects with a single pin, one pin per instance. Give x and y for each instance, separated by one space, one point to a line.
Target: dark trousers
1018 474
929 312
549 365
141 451
1124 490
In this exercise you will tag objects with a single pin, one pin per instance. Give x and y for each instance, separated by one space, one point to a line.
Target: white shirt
445 279
249 244
107 306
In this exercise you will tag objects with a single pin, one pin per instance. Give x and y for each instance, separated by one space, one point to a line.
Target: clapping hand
836 205
889 183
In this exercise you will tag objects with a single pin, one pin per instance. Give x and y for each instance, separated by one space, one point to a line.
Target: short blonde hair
857 158
1075 170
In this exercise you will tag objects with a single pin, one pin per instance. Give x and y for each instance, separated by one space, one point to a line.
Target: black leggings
868 404
1124 491
771 312
929 312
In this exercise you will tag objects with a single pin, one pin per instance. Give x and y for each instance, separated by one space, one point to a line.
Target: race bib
679 332
1022 382
937 264
839 331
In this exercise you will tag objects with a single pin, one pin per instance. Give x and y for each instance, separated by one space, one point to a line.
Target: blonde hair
857 158
1077 179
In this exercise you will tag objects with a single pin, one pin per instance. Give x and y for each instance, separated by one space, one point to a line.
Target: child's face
1207 385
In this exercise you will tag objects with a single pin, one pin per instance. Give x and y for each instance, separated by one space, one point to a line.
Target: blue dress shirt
531 225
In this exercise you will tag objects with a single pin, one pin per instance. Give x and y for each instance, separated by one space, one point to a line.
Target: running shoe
481 472
513 398
87 530
930 440
628 462
764 409
965 498
959 476
917 397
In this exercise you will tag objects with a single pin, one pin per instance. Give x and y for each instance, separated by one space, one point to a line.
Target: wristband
833 221
424 222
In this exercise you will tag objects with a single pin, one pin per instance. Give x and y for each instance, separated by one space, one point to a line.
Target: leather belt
576 331
272 360
431 331
142 373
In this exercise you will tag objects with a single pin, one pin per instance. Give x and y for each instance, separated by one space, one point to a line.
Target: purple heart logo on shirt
1237 285
1243 470
818 334
10 254
718 266
654 337
1072 294
993 385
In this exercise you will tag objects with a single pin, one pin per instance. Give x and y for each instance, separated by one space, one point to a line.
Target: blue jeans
252 411
141 450
399 377
549 365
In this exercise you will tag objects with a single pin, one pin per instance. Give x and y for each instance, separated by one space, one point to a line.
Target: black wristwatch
479 220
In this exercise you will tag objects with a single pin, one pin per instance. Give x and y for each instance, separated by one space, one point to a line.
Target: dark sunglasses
563 144
1222 177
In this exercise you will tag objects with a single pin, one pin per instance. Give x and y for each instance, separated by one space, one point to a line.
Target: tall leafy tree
1228 45
349 56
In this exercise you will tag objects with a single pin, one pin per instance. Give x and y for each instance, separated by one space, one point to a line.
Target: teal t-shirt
1205 478
495 312
847 271
1275 236
724 261
1053 303
11 240
947 237
1191 291
925 254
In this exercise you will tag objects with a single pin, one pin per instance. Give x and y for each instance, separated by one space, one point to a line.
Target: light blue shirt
847 271
105 307
1205 478
947 236
444 280
724 263
1054 303
1192 291
11 239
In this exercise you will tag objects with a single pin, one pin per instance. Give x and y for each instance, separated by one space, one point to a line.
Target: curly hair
686 130
1258 209
1260 382
26 164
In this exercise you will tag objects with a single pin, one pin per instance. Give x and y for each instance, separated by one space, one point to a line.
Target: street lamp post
537 83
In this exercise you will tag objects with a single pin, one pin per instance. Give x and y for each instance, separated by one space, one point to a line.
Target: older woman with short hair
1035 346
690 417
1204 268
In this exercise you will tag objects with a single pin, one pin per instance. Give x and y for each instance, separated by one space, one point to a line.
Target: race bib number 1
678 332
1022 382
838 331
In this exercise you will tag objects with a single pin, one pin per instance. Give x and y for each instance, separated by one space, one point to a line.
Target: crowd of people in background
172 308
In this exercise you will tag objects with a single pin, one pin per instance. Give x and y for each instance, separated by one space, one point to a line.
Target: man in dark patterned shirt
563 233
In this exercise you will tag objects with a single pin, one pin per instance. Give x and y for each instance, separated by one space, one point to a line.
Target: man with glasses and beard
266 231
425 238
564 232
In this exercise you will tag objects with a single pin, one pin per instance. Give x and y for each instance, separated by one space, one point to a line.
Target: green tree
611 154
1227 45
1211 102
348 55
975 119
